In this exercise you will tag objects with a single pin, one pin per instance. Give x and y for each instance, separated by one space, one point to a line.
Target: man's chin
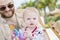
7 16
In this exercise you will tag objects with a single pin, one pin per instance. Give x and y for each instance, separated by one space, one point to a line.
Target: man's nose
7 9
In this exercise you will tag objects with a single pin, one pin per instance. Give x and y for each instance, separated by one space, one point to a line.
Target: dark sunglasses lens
10 5
2 8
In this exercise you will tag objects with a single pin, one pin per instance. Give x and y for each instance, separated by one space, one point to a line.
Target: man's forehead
4 2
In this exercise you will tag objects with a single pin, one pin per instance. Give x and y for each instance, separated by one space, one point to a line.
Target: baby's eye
34 18
28 18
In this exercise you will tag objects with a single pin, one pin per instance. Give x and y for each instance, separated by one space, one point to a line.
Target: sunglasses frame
3 7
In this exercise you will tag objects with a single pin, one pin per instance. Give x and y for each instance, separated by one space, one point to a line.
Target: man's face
6 8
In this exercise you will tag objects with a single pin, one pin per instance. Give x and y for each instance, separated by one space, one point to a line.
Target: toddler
32 29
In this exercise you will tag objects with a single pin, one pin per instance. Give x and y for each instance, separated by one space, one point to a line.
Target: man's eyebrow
2 5
10 3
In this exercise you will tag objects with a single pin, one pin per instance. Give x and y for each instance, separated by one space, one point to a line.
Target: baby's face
31 19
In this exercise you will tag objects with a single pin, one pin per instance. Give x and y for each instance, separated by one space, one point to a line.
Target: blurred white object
51 34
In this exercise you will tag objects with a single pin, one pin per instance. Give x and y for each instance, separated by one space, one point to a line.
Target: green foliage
46 26
58 6
52 18
57 18
32 4
39 4
49 19
52 4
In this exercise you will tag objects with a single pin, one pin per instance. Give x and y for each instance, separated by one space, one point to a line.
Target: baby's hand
27 36
27 33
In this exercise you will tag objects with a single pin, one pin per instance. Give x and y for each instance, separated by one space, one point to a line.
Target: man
8 17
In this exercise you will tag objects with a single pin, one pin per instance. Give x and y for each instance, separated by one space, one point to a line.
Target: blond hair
31 9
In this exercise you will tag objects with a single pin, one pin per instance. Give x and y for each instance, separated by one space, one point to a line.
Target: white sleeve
6 31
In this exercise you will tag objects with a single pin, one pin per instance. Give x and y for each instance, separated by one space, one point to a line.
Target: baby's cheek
35 22
27 22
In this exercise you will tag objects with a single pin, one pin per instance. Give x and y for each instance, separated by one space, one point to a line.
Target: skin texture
8 12
30 20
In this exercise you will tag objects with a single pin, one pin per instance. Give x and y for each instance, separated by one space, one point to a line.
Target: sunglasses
2 8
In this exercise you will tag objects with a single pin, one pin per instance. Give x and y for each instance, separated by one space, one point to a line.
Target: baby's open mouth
31 24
